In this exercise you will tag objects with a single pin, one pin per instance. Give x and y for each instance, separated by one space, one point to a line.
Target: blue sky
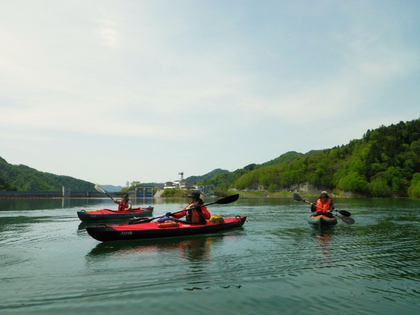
117 91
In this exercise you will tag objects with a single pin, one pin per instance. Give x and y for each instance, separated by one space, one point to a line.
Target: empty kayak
160 229
106 214
322 220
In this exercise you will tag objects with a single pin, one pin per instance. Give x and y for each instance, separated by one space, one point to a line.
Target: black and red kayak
160 229
106 214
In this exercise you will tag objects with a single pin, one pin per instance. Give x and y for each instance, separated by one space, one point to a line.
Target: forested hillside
24 178
384 163
210 175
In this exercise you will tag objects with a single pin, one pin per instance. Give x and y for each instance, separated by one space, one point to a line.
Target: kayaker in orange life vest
324 205
124 204
194 211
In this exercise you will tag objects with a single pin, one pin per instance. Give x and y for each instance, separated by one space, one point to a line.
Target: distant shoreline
242 195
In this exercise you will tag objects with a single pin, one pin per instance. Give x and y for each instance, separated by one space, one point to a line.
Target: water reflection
323 237
324 240
83 225
18 223
193 249
278 259
30 204
45 204
196 249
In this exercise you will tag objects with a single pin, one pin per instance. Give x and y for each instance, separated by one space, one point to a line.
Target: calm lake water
275 264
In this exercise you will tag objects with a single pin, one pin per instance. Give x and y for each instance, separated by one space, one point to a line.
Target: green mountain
384 163
24 178
284 158
210 175
6 187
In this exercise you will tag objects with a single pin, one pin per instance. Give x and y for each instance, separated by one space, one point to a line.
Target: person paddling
324 205
194 211
124 204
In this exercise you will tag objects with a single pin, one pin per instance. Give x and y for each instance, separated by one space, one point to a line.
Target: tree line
24 178
384 163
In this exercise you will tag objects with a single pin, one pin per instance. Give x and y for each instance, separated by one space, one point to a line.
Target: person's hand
168 214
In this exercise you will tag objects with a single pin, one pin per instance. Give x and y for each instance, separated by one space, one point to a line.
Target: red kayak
160 229
106 214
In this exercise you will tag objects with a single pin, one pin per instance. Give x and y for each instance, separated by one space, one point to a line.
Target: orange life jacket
194 215
326 207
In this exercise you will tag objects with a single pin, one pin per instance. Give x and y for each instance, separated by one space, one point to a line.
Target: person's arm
180 214
205 213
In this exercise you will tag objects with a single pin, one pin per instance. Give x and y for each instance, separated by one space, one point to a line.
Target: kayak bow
322 220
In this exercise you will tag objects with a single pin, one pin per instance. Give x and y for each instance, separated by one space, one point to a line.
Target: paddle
100 189
343 212
228 199
346 215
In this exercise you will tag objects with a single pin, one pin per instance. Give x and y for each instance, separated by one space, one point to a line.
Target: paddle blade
297 197
345 213
227 199
100 189
347 220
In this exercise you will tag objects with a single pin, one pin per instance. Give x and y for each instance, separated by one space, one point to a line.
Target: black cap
194 194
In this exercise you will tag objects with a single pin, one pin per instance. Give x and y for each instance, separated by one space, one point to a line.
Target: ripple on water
275 262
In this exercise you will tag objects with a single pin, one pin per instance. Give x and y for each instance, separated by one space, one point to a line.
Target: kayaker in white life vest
324 205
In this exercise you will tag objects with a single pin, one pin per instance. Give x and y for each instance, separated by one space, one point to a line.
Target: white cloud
160 76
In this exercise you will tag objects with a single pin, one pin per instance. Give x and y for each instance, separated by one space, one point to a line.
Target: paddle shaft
228 199
312 204
110 197
343 212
